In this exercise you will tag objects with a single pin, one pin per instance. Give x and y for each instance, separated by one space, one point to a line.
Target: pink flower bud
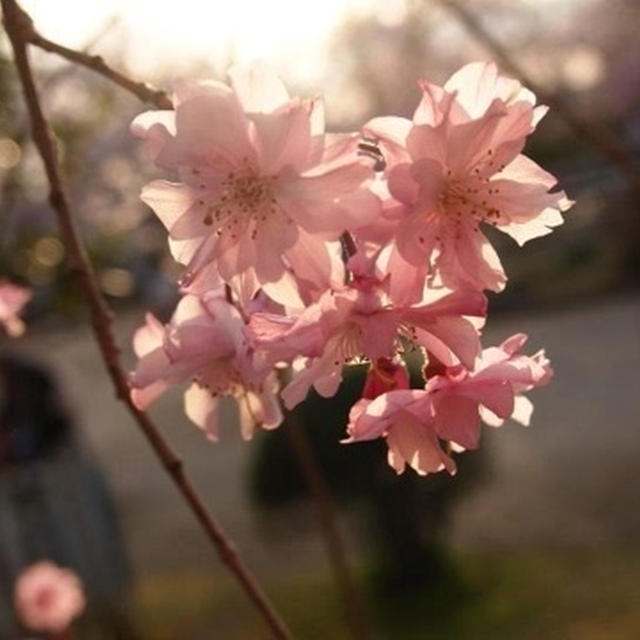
386 374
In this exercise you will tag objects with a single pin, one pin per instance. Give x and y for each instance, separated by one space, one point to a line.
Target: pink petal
369 420
149 336
330 203
379 332
457 419
258 87
156 128
211 121
416 445
284 291
522 410
432 106
496 396
283 139
458 334
316 264
144 397
170 201
468 258
463 155
402 185
474 85
203 410
407 279
426 141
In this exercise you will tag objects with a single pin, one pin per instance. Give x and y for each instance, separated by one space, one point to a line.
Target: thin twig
354 608
595 133
17 24
142 90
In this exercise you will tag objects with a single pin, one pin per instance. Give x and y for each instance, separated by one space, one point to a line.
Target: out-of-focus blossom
12 300
48 598
263 190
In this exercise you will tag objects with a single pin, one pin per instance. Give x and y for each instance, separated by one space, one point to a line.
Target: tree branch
19 27
144 91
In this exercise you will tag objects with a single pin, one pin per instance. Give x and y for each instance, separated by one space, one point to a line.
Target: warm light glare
583 68
178 35
116 282
49 252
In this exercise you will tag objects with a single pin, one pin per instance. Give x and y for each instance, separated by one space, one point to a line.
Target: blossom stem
18 26
354 608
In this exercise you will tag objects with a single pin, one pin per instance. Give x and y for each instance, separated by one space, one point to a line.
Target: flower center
242 203
473 198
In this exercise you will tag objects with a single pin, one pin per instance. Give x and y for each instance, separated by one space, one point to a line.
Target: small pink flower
458 165
205 342
262 188
450 407
491 391
48 598
405 419
12 299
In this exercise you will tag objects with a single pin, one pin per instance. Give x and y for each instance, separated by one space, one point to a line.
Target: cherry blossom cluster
320 251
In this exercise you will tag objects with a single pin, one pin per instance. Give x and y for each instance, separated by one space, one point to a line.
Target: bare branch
18 26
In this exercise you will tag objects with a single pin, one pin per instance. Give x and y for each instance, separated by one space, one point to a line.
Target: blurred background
539 534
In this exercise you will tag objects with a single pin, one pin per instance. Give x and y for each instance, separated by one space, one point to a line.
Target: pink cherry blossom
336 250
205 342
457 165
48 598
262 188
451 406
405 419
501 374
12 300
359 322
